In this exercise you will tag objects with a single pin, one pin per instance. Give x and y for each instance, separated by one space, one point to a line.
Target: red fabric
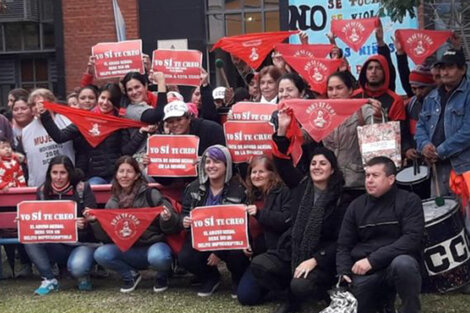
459 184
176 241
419 43
310 51
125 226
152 99
314 70
86 80
95 128
11 174
252 48
319 117
354 32
295 136
254 227
421 77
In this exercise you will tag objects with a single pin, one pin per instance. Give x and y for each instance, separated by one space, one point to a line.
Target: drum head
407 176
433 213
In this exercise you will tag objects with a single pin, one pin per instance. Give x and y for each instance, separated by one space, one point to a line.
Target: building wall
86 23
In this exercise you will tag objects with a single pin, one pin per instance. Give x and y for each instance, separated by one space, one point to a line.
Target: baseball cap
219 93
452 57
175 109
173 95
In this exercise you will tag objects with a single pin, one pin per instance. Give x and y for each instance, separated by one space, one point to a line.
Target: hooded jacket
197 192
391 102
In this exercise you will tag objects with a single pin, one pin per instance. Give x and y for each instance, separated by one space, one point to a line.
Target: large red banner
319 117
308 51
420 43
180 67
219 227
252 111
125 226
248 139
172 155
47 221
116 59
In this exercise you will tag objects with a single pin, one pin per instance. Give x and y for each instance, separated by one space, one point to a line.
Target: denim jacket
456 146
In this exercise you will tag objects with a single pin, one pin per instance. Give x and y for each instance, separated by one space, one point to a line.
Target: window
34 73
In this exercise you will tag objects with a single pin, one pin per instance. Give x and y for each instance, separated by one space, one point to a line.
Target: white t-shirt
39 149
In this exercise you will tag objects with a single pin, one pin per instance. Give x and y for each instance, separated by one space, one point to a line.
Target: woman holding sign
214 186
270 205
63 182
130 191
310 264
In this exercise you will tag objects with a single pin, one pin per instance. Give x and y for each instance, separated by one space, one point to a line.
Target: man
443 129
380 241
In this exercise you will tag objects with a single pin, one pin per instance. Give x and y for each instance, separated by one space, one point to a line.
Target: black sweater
380 229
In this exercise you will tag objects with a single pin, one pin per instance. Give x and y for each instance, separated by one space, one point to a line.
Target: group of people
329 218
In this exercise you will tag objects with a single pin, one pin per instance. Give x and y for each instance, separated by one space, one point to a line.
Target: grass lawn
16 296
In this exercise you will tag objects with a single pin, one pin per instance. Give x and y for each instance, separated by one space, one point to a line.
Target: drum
446 252
415 179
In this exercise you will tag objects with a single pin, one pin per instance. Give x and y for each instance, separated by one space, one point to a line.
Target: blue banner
314 17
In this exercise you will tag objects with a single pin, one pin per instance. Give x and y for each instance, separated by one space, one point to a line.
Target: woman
87 97
343 140
63 182
304 261
268 78
97 162
15 94
22 115
214 186
269 209
130 190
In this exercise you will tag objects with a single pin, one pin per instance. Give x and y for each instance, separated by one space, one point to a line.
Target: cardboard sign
319 117
116 59
179 66
219 227
248 139
172 155
47 221
125 226
252 111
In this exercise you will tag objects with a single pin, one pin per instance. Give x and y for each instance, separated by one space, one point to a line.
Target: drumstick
439 201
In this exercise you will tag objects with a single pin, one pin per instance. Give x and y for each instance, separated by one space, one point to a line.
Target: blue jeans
157 256
96 180
81 261
44 254
249 291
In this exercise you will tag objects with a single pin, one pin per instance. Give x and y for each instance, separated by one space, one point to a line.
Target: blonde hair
41 92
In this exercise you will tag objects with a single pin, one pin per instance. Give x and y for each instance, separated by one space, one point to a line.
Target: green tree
397 9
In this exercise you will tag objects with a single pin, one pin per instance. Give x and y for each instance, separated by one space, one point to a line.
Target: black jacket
210 133
98 161
275 217
326 251
380 229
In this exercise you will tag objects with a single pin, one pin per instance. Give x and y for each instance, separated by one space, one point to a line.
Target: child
11 174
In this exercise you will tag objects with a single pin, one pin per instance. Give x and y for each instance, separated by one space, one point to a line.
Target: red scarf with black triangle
94 127
252 48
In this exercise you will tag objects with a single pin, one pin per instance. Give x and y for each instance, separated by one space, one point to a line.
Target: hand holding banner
219 227
125 226
172 155
419 43
116 59
47 221
354 32
319 117
248 139
180 67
